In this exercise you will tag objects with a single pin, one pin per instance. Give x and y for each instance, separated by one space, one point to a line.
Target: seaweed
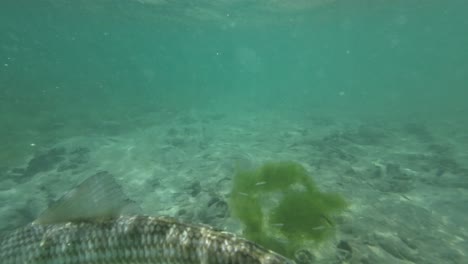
300 213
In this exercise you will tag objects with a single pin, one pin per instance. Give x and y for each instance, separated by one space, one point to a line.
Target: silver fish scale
130 240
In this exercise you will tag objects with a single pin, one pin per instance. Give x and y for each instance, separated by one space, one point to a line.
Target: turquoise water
391 57
100 68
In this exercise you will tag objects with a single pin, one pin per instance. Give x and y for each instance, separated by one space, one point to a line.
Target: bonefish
90 225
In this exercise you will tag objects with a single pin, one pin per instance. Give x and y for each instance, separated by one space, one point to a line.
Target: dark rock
45 161
345 251
304 256
219 206
79 156
217 202
213 200
195 188
42 162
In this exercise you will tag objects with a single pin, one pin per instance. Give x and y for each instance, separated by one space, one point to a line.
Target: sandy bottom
407 182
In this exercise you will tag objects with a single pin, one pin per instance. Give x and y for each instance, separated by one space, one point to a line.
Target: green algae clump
281 208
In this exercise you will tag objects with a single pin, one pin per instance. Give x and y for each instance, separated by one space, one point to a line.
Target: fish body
125 239
130 240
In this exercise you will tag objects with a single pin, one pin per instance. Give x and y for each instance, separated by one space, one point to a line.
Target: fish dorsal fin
96 198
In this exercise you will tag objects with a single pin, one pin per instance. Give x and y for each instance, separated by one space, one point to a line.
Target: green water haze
71 64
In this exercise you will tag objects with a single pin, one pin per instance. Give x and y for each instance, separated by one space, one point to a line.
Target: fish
96 223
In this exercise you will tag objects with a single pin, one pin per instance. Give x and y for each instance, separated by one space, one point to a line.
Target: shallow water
370 96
